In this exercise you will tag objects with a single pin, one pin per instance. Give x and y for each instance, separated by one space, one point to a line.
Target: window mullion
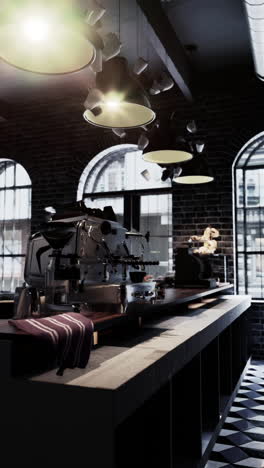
136 212
245 230
236 203
127 211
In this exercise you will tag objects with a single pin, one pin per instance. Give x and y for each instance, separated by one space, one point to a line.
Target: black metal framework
248 187
131 203
15 215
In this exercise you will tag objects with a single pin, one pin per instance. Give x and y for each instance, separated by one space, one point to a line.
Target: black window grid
242 281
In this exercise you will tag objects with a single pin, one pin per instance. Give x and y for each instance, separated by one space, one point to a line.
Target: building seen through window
249 219
15 215
121 178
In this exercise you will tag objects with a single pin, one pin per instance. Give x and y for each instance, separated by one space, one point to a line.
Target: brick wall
54 144
229 120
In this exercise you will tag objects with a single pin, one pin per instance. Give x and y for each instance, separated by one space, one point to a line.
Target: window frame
4 222
130 200
258 143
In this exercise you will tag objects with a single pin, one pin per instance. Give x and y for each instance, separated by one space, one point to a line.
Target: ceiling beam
163 38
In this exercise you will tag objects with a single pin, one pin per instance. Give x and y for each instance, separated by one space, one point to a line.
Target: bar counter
156 399
173 296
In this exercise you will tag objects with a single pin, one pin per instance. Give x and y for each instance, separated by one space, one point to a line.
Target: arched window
141 200
15 215
248 171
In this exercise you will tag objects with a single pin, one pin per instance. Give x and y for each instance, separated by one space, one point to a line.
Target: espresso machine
83 258
193 270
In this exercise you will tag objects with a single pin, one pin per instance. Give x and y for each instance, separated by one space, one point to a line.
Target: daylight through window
15 215
121 178
249 218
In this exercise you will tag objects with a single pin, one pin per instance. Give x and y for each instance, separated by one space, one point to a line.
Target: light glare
113 100
112 104
35 29
45 40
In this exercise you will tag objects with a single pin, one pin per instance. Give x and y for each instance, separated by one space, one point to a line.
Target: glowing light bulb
35 29
113 100
112 104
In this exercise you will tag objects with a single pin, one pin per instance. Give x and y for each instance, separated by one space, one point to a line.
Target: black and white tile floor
241 441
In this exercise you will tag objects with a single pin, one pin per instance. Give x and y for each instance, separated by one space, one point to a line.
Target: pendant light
140 66
95 14
167 156
197 172
123 104
191 127
171 172
44 37
163 149
143 142
163 84
112 46
119 132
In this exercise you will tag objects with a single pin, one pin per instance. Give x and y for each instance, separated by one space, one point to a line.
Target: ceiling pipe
255 16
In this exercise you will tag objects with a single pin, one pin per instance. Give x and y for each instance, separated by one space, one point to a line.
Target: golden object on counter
209 243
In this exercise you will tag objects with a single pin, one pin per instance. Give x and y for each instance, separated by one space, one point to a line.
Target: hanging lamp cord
119 19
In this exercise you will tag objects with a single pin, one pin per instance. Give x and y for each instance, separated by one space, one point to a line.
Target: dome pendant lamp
197 172
163 150
167 156
122 102
44 37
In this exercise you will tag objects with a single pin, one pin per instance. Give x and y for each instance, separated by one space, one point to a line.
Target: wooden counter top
173 296
182 295
132 371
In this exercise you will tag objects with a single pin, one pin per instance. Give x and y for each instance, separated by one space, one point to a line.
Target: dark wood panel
143 440
186 401
225 357
210 386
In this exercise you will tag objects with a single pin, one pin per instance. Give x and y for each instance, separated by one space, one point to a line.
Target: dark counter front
157 401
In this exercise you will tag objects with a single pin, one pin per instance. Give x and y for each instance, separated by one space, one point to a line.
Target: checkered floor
241 441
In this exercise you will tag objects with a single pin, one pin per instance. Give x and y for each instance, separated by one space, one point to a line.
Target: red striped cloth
69 334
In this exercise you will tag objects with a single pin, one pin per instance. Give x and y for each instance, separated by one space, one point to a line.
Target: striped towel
70 335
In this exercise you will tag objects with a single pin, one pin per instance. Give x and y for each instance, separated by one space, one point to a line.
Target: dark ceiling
218 30
189 37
